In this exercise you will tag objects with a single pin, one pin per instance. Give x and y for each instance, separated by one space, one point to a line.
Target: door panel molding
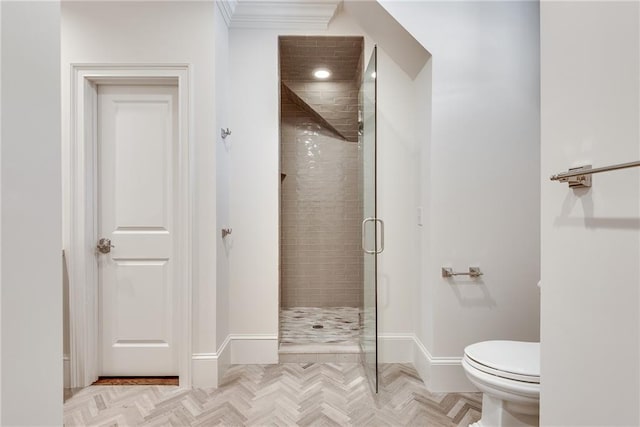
81 220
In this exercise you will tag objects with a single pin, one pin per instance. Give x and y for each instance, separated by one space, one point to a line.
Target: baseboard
254 349
208 368
440 374
420 362
204 370
224 357
396 348
66 371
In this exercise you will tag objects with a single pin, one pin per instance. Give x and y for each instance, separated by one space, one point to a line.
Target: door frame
82 217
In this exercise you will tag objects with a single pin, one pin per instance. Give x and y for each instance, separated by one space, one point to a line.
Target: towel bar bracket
577 181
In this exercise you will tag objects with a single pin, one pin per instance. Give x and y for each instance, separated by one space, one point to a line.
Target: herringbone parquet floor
279 395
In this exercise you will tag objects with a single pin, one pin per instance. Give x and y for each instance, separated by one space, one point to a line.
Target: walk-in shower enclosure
321 275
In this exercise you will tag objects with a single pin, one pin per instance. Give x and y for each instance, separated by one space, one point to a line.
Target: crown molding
227 8
281 14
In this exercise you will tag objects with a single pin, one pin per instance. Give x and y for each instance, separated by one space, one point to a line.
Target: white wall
1 210
481 179
162 32
254 190
398 172
223 148
423 298
31 388
253 293
590 238
254 183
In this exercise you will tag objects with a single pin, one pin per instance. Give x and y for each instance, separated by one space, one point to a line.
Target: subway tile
320 257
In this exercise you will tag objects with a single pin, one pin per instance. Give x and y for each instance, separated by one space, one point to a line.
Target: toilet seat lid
510 359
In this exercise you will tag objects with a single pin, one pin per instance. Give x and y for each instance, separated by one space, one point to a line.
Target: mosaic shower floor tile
315 325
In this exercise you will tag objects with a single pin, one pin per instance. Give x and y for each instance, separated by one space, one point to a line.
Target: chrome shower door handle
364 236
381 222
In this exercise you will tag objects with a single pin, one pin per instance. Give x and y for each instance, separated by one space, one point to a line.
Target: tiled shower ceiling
300 56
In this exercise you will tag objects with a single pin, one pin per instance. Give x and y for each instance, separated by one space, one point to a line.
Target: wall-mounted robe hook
225 133
225 232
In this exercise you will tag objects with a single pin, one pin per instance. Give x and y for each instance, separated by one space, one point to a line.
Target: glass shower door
372 227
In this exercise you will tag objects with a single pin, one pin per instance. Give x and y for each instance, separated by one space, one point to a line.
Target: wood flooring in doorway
288 394
137 381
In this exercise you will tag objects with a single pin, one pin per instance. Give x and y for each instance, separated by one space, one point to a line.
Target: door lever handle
104 245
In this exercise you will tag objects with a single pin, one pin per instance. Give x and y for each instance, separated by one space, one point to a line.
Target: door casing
81 220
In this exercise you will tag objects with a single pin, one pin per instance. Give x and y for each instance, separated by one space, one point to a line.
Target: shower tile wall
337 103
321 258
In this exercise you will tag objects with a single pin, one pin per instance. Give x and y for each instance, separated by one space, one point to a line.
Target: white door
137 149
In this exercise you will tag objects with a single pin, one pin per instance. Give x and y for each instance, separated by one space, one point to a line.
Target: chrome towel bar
473 272
581 176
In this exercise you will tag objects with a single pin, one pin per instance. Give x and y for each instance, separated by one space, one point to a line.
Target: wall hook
225 232
225 133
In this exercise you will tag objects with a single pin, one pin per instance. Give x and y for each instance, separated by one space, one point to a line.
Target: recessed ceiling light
321 73
373 75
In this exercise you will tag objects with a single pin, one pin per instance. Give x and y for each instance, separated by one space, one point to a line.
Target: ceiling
291 14
301 55
309 15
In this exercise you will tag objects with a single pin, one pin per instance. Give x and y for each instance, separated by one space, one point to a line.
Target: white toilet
508 375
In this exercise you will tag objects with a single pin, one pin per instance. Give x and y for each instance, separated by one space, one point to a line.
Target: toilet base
500 413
